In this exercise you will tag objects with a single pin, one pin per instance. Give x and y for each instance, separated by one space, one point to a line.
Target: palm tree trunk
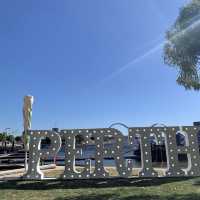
5 146
13 145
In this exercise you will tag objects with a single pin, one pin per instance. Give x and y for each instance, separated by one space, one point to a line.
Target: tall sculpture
27 116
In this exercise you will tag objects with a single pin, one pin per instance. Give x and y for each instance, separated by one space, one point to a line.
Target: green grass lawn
116 189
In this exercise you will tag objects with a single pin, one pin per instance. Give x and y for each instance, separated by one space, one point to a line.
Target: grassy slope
123 189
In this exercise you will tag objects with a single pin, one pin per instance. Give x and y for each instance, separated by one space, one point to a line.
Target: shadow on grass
91 183
196 182
133 197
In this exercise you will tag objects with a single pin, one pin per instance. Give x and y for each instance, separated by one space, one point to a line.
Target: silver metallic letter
35 153
191 148
71 152
145 147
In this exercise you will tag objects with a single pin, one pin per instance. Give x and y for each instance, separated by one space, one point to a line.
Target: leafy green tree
18 139
10 138
3 139
182 49
45 141
79 139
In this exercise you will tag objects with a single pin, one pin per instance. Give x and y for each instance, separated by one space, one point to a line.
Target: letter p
35 151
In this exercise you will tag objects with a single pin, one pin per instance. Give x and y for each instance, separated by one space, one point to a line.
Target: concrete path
17 173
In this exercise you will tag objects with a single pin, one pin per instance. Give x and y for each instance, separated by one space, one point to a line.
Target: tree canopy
182 49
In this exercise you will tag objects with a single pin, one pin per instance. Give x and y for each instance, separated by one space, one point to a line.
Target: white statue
27 111
27 116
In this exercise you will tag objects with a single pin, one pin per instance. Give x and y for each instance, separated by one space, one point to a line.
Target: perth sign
124 166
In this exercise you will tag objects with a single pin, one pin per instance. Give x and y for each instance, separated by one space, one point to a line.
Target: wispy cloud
194 24
131 63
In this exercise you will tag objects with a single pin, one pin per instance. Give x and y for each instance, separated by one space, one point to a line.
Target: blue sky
90 63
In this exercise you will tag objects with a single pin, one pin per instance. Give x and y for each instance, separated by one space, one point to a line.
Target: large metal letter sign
116 152
35 152
191 149
109 144
124 168
71 152
145 146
